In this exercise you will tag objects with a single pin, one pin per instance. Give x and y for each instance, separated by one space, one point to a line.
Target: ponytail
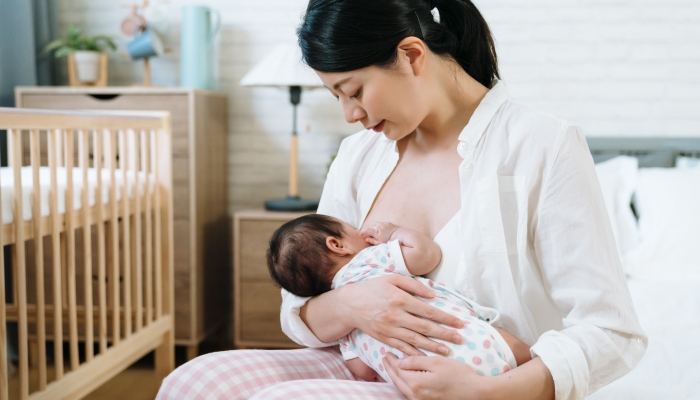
346 35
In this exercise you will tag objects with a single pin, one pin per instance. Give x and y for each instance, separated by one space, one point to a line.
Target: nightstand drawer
255 236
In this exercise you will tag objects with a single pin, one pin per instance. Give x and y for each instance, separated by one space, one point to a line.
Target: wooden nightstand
257 300
200 207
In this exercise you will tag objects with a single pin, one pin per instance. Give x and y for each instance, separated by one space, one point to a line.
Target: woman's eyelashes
354 96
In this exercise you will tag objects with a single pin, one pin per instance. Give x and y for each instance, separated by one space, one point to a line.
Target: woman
509 194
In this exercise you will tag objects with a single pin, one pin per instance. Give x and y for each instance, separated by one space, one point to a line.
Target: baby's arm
363 371
421 254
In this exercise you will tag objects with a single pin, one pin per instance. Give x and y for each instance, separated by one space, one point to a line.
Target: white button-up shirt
535 239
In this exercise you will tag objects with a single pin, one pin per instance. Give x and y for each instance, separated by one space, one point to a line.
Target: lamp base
291 203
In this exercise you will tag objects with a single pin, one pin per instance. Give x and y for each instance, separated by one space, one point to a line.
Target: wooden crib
87 219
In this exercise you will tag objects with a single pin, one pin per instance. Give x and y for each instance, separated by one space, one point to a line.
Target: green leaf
63 51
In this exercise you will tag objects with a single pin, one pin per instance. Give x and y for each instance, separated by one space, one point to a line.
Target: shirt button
639 341
467 165
462 148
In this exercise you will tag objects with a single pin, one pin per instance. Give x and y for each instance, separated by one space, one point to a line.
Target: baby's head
305 253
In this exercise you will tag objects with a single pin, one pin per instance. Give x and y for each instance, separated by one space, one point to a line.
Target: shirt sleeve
397 257
574 244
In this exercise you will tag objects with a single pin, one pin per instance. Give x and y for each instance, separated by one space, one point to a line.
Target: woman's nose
353 113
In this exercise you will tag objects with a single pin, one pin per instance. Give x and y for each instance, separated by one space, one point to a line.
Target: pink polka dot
466 322
506 368
431 283
388 254
456 309
472 313
487 344
476 360
381 367
391 268
365 346
382 350
369 260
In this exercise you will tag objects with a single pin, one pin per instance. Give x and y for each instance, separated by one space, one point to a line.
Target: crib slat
87 245
138 271
70 254
124 158
157 205
99 206
113 237
35 159
149 228
4 393
20 263
54 153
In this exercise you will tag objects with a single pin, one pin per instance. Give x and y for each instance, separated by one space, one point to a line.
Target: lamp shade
282 68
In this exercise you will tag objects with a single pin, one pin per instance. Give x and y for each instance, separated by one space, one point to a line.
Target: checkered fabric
271 374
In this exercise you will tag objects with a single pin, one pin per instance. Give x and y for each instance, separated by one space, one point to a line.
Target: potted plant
85 49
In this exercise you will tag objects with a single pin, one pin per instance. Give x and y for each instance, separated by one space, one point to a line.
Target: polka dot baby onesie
482 347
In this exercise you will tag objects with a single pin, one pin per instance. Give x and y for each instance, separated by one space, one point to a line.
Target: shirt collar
471 134
339 276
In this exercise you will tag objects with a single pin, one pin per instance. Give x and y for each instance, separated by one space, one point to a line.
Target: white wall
615 67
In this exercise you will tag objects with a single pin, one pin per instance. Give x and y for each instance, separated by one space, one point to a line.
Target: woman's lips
379 126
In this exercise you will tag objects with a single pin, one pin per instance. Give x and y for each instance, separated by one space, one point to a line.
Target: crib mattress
8 189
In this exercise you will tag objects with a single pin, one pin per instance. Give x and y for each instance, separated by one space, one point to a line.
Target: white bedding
669 312
7 182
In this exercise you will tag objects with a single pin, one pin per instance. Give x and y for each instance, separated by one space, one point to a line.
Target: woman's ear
337 246
412 53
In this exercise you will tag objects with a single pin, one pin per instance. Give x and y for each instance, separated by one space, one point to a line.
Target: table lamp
284 68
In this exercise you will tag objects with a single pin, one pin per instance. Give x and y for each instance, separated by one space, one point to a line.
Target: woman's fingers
429 319
417 340
415 363
412 286
404 347
390 364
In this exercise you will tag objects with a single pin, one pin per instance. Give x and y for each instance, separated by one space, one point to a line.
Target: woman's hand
427 378
383 309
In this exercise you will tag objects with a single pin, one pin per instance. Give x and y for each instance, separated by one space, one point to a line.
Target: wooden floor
138 382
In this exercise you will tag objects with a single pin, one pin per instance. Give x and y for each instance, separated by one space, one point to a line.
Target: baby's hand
379 232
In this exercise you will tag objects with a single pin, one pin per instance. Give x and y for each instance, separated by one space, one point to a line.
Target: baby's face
353 239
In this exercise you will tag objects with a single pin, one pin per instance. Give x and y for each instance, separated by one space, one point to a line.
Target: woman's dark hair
298 258
346 35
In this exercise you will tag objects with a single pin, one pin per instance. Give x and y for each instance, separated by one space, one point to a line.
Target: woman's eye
356 95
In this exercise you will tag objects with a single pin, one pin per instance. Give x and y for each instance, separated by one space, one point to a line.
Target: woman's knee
221 374
243 373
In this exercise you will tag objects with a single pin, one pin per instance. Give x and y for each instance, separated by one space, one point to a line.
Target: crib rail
97 278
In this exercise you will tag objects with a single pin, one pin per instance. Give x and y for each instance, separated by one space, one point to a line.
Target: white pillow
668 203
687 162
618 181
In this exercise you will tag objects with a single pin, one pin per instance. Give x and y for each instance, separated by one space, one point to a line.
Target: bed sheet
669 312
7 182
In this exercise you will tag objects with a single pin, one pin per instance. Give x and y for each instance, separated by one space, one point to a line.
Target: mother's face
386 100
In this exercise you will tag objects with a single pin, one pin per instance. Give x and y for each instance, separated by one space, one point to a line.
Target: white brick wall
615 67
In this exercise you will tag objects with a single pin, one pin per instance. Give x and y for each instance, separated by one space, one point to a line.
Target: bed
666 293
86 205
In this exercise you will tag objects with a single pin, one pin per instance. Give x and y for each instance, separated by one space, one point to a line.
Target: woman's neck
453 96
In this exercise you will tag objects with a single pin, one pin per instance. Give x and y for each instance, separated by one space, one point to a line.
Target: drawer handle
105 96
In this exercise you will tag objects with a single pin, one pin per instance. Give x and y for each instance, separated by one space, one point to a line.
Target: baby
316 253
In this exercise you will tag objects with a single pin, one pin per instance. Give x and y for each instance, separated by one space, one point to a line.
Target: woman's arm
428 378
384 309
580 267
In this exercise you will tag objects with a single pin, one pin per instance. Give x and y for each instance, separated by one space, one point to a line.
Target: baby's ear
337 246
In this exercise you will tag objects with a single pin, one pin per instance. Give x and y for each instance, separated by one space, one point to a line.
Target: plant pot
87 65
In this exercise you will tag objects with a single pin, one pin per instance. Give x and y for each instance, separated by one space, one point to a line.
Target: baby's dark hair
298 258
